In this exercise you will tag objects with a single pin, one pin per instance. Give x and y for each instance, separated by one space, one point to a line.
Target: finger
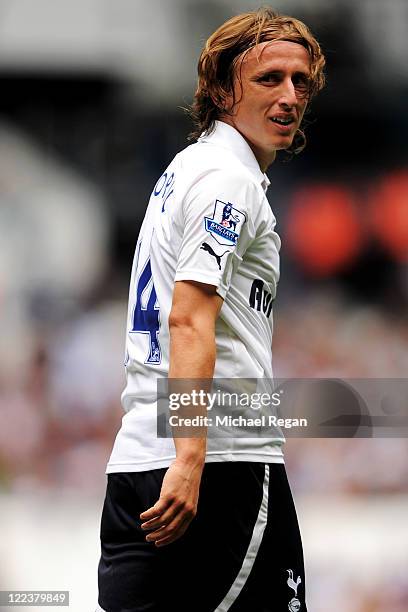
171 528
164 531
157 510
164 519
164 541
166 536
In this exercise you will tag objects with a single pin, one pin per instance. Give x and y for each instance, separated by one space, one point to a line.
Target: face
272 97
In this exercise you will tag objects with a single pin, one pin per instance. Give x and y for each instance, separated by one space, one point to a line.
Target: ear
229 102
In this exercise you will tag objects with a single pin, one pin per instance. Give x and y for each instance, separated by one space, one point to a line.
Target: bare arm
192 355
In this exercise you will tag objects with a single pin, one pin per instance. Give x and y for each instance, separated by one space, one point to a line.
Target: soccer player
189 524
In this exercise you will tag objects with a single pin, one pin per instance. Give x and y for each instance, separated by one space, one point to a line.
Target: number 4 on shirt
146 315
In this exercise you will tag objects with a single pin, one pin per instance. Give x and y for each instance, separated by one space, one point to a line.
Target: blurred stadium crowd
81 150
60 404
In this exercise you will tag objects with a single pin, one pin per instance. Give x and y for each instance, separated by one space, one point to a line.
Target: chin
281 146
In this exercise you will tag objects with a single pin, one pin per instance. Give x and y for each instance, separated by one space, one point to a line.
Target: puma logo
208 248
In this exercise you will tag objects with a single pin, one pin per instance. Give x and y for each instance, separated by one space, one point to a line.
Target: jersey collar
224 135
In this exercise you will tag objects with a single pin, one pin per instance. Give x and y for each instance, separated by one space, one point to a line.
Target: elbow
182 322
190 324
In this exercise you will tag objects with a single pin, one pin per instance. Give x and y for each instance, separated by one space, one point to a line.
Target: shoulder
209 167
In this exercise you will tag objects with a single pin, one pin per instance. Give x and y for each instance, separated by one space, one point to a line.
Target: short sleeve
217 228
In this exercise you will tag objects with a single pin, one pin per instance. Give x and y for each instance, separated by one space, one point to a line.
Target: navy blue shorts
241 553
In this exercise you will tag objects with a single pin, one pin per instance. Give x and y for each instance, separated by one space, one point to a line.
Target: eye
269 77
301 82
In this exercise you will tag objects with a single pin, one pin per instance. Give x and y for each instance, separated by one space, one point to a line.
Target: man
189 525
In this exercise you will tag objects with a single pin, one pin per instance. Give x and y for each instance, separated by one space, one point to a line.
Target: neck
264 159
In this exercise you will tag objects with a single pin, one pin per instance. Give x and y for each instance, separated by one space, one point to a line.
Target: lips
282 119
283 128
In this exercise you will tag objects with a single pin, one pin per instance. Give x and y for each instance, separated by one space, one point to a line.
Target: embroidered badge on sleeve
225 223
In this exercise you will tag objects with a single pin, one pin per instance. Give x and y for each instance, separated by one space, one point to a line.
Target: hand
171 515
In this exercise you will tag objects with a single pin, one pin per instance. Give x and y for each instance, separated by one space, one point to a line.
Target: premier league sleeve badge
225 223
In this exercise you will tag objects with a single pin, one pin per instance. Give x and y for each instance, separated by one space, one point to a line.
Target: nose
288 96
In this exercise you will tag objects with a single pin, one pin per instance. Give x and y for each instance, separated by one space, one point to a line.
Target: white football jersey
208 220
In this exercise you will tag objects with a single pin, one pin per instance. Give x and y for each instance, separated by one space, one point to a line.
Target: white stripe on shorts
252 551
